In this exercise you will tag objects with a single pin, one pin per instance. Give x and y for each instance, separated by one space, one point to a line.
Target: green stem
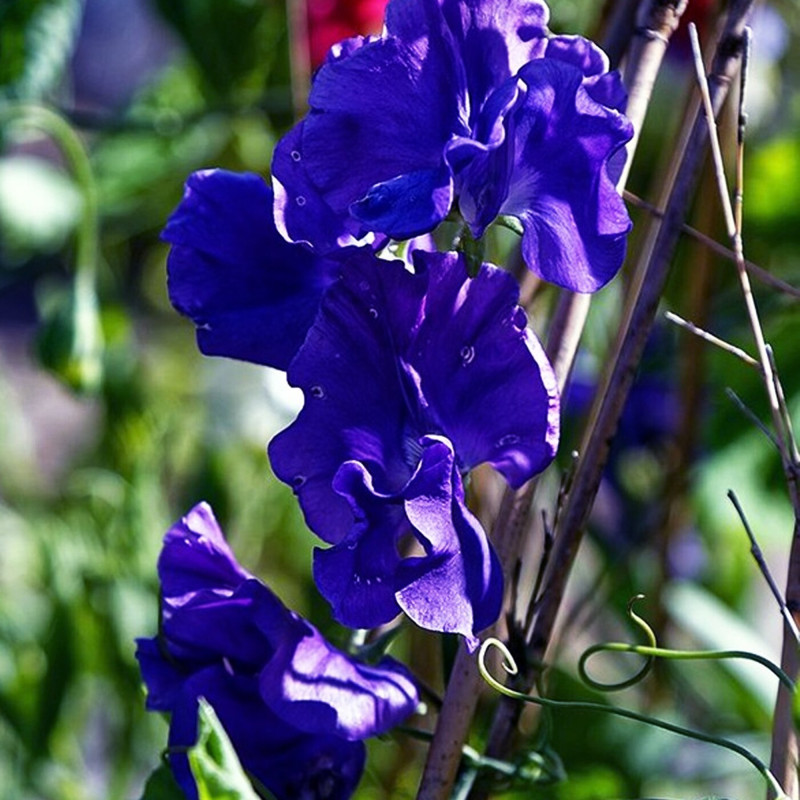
511 668
70 144
651 651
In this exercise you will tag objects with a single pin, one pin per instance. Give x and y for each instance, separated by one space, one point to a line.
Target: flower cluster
468 100
414 370
410 379
295 708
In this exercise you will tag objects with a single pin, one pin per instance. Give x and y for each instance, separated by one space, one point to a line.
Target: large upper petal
380 116
484 376
575 222
394 356
252 295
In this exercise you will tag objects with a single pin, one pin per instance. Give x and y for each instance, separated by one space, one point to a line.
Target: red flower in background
330 21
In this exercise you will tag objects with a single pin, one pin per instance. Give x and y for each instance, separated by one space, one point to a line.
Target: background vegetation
93 472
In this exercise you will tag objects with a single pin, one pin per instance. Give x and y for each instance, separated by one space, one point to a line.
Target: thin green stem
62 133
510 667
651 651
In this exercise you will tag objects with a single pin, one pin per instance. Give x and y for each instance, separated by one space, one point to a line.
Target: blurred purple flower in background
466 99
294 707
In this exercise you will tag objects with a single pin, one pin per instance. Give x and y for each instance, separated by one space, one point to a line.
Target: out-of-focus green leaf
161 785
716 627
772 201
60 659
223 36
36 39
215 765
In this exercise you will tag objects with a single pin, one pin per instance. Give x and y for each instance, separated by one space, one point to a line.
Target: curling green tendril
509 665
651 651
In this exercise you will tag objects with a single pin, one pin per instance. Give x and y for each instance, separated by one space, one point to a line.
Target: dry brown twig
785 747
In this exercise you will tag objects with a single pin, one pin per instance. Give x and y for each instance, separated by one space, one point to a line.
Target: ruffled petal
357 576
575 222
485 378
457 586
482 182
495 38
604 87
251 295
319 689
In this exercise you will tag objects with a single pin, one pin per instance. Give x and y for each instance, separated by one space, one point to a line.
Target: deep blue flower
294 707
411 379
465 99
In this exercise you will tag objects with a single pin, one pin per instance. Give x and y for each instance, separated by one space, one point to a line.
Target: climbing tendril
510 666
651 651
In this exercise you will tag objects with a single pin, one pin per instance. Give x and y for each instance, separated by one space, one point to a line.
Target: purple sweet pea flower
466 99
295 708
410 379
252 295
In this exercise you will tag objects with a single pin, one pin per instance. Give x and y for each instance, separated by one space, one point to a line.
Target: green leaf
215 765
161 785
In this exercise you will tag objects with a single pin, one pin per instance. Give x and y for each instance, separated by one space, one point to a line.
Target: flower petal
483 373
407 205
289 762
383 111
251 295
196 557
355 408
575 222
457 586
319 689
357 576
495 38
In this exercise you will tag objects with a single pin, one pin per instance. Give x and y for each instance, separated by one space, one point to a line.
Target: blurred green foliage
88 487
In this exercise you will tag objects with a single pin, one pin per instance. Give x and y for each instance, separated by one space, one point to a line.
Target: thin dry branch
711 339
785 744
763 275
639 319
